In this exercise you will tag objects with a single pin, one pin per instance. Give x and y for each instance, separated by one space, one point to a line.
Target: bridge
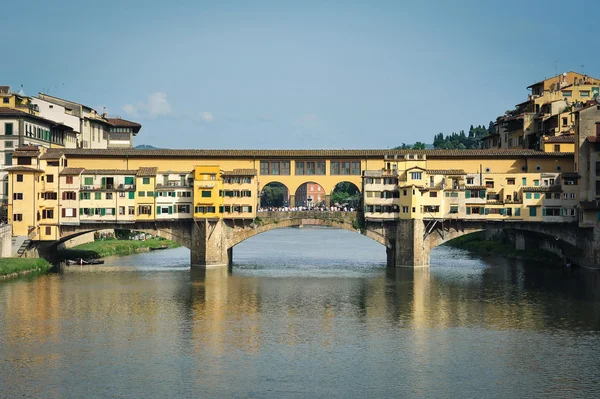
407 243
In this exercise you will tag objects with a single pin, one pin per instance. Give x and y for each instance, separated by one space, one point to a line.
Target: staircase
19 245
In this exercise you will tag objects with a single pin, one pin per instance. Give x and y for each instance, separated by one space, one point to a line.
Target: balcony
176 184
108 187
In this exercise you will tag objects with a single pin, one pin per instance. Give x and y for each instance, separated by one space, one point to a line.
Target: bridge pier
408 247
209 244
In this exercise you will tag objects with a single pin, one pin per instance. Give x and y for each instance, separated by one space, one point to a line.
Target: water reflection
320 328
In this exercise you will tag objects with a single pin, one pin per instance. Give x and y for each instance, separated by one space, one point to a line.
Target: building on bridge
213 194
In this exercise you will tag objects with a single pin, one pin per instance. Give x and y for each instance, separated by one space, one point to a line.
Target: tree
273 194
346 193
419 146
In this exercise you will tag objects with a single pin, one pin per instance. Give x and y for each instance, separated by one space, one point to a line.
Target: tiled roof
22 169
560 139
239 172
542 188
71 171
475 187
26 153
448 172
593 139
28 148
147 171
154 153
109 172
118 122
570 174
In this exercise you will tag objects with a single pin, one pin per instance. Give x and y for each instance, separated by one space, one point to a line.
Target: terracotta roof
5 111
543 188
446 172
118 122
239 172
475 187
26 153
560 139
28 148
147 171
570 174
593 139
22 169
71 171
108 172
184 153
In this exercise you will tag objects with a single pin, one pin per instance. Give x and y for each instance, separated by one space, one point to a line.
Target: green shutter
128 179
8 129
131 194
528 195
81 211
158 210
524 182
468 210
543 211
467 194
481 193
80 196
102 211
98 196
92 211
103 183
562 212
170 210
517 211
532 211
503 211
481 210
487 211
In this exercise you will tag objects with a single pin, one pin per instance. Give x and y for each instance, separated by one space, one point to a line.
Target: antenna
555 62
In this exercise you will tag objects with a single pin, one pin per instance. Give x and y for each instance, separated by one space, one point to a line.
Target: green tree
419 146
273 194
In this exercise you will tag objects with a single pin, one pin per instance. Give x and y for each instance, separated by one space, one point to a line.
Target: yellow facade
117 186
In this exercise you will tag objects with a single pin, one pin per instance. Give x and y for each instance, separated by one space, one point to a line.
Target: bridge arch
310 194
274 194
346 192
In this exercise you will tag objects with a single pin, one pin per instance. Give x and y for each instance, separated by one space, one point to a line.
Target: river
308 312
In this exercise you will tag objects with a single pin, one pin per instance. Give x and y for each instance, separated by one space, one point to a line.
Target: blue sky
295 74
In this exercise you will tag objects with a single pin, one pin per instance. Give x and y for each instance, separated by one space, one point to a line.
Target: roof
556 76
147 171
560 139
239 172
593 139
54 153
570 174
5 111
25 153
118 122
543 188
475 187
22 169
446 172
71 171
107 171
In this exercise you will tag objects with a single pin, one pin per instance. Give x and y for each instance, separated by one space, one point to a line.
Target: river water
303 313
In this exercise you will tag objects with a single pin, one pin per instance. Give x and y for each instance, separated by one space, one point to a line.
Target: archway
310 195
346 195
274 195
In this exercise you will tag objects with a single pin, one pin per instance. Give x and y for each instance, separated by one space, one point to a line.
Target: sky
280 74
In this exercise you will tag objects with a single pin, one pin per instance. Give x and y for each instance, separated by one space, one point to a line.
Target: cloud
207 117
156 105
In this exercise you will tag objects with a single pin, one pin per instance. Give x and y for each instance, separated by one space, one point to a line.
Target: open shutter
517 211
63 211
131 195
487 211
170 210
80 211
102 211
80 196
543 211
158 210
468 210
103 183
467 194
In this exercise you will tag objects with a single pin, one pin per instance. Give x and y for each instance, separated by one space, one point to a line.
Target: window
49 195
109 196
8 144
584 93
8 129
345 167
121 210
19 178
88 181
17 196
524 181
416 175
69 179
567 93
129 180
431 208
144 210
564 122
110 211
69 195
146 180
131 210
551 212
532 211
48 230
274 167
206 194
433 194
454 209
527 195
470 180
6 100
69 212
149 193
131 195
510 181
536 195
489 184
50 178
48 214
536 183
98 196
141 194
556 147
17 217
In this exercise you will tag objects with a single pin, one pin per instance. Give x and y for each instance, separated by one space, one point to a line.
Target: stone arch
241 236
309 194
352 188
262 202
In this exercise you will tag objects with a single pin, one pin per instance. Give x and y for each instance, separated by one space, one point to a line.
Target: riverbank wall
5 241
102 248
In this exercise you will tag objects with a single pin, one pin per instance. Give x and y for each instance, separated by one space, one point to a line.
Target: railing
174 184
95 187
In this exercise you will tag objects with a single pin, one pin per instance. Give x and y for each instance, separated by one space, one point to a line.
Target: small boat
159 248
81 261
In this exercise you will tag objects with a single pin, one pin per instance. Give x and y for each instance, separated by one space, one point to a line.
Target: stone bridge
407 242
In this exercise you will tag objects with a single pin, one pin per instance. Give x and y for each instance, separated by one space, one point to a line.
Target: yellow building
207 187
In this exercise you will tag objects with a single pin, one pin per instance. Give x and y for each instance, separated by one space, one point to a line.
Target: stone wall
6 241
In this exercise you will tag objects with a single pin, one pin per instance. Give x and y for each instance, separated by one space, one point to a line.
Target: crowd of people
305 208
